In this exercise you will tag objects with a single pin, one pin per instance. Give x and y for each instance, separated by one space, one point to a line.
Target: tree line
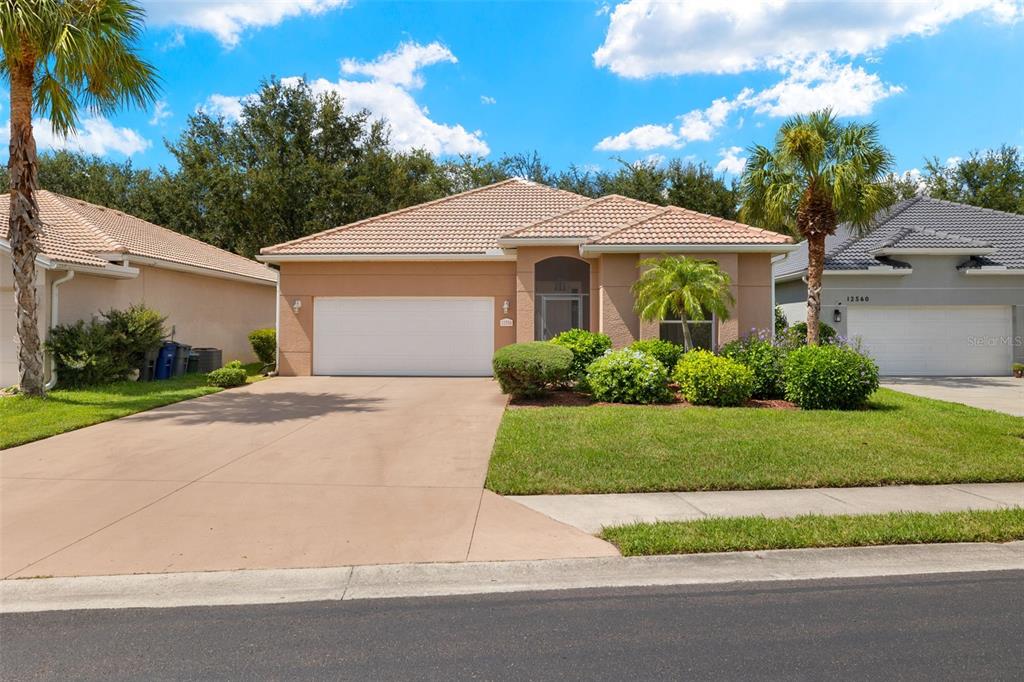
296 162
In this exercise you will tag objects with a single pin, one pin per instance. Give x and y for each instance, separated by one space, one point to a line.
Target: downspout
54 317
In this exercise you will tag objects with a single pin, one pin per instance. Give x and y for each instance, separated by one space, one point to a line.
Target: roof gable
674 225
589 220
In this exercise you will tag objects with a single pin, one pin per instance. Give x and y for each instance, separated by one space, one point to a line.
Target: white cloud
641 137
228 106
696 125
731 161
647 37
228 19
95 135
953 161
655 159
176 40
161 112
401 67
486 99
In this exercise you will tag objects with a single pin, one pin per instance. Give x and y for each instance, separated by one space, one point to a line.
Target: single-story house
95 258
935 288
434 289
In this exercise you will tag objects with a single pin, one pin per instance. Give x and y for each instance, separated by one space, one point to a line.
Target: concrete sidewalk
590 513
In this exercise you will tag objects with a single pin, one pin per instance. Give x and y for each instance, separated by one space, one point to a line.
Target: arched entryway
562 296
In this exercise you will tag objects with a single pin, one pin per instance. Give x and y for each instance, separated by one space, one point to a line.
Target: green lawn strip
24 419
757 533
615 449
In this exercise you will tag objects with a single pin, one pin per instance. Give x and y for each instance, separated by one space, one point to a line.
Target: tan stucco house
95 258
434 289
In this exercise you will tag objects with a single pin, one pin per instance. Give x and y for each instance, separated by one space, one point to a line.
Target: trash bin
209 359
165 360
193 362
181 359
147 369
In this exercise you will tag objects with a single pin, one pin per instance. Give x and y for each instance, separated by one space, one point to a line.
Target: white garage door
403 336
935 340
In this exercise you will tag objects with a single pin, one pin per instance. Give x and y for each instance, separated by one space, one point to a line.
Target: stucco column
617 317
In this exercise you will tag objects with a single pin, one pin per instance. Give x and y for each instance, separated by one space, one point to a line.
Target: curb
280 586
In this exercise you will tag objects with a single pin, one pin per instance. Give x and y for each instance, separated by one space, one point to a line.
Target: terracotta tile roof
674 225
466 223
75 231
590 220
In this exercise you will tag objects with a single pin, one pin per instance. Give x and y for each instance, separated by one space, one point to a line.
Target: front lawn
612 449
759 533
27 419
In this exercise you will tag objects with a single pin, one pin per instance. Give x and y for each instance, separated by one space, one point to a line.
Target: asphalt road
966 626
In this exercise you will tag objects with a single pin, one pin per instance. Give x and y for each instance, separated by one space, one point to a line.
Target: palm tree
819 174
682 287
59 55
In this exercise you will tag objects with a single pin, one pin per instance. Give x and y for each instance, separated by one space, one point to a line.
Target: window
702 332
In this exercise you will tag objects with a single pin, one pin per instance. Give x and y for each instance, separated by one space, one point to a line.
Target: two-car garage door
414 336
935 340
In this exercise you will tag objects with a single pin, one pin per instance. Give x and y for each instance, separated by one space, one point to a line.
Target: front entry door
559 313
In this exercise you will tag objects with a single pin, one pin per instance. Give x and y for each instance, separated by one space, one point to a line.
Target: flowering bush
628 376
585 346
708 379
765 359
666 352
832 377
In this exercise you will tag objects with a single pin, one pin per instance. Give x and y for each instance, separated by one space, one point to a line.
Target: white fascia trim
112 270
951 251
41 260
541 241
898 272
986 270
791 276
329 258
195 270
687 248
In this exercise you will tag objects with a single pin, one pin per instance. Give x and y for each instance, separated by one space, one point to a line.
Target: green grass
607 449
27 419
755 533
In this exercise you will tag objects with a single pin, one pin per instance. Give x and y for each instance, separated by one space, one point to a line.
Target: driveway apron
285 473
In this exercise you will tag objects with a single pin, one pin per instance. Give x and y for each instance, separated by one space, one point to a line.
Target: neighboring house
436 288
935 288
95 258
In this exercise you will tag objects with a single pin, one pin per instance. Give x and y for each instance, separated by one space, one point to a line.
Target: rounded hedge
585 347
765 359
628 376
264 345
666 352
708 379
528 369
829 377
230 375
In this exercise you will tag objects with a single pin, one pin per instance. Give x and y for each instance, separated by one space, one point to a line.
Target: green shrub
763 358
84 355
134 332
666 352
585 346
797 334
833 377
264 345
780 321
707 379
528 369
628 376
228 376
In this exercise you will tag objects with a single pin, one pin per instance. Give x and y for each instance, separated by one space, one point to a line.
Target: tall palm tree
59 55
682 287
820 173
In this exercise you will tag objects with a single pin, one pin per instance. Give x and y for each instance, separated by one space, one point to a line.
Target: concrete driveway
290 472
1002 394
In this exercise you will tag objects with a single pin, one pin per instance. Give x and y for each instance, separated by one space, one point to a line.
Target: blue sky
583 82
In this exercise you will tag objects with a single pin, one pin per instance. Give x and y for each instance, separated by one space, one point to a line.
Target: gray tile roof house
993 240
935 288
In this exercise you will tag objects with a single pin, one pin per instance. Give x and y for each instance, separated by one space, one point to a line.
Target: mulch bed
569 398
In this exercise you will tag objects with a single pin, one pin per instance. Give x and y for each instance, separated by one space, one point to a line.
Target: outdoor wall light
296 306
504 307
837 315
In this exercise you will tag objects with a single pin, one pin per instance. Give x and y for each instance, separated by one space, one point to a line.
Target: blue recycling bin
165 361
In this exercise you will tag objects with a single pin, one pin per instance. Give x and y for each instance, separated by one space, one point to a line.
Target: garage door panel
431 336
934 340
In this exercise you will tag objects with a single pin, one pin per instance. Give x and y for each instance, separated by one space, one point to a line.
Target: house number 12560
858 299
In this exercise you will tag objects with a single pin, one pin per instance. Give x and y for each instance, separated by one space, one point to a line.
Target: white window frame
714 328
